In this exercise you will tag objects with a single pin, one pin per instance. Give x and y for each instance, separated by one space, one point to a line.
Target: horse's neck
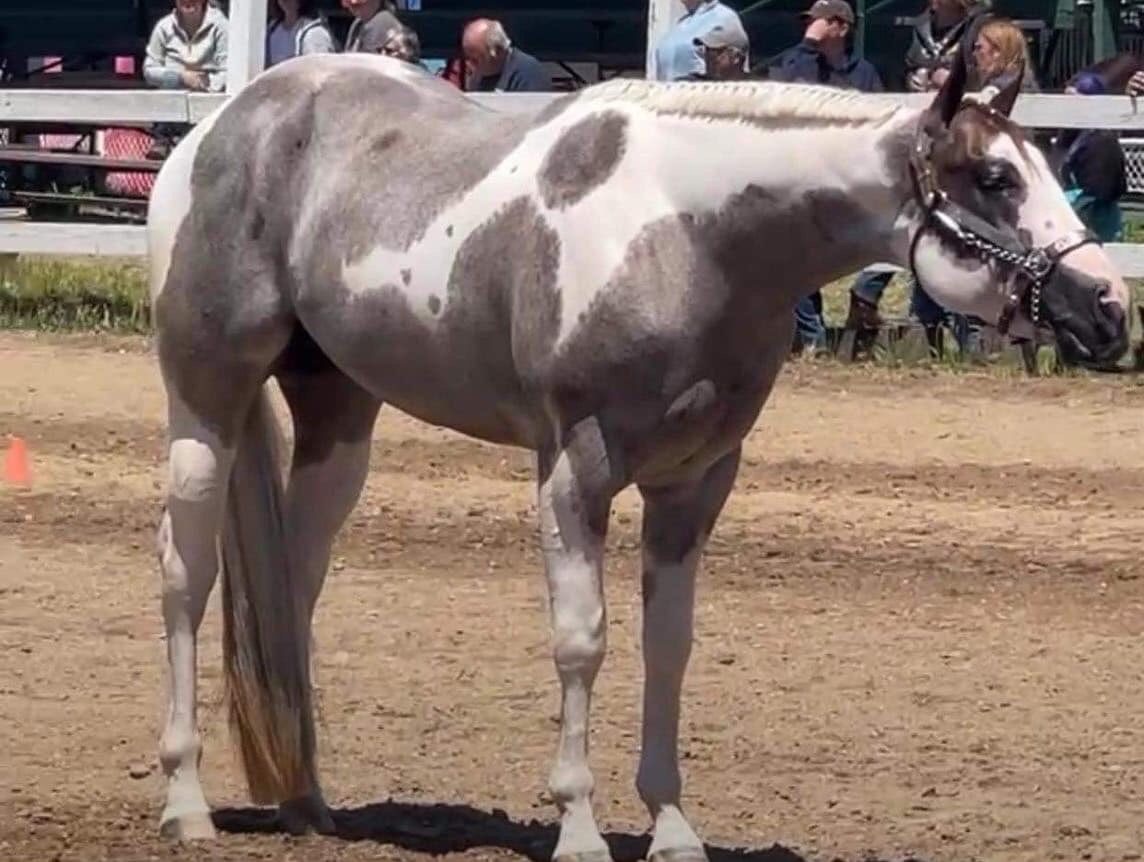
834 191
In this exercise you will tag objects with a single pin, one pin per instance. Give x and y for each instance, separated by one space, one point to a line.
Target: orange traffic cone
16 469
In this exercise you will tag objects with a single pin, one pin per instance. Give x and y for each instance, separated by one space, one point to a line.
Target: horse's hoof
302 816
586 856
191 826
679 854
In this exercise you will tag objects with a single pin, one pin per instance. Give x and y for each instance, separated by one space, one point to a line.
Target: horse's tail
266 654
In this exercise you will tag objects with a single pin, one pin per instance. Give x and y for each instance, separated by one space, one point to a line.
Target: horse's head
995 237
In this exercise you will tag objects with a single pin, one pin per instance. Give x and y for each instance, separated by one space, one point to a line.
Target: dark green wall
609 30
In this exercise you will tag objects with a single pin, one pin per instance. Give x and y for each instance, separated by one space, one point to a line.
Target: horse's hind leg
202 445
676 524
333 418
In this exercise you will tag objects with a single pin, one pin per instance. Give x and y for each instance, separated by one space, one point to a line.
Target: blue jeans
810 329
870 286
923 307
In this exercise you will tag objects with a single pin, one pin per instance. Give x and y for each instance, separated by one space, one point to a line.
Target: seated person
494 63
187 51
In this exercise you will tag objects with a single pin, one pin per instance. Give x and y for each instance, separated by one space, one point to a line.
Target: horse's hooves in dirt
302 816
679 854
193 826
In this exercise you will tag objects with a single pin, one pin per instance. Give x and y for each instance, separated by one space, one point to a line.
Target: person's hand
194 80
918 81
1135 85
938 77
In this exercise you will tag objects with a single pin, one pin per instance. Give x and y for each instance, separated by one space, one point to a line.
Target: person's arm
873 82
536 79
155 71
216 81
318 40
1096 164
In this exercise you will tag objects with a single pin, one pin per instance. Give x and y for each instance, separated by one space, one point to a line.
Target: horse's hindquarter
413 231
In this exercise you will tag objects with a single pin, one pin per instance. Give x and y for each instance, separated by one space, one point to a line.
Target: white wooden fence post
661 14
246 43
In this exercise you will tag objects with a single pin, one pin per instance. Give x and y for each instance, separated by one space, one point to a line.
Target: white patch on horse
1045 215
421 272
170 202
190 461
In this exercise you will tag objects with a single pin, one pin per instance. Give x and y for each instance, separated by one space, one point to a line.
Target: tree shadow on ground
450 828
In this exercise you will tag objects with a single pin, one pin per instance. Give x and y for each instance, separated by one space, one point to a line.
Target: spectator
188 48
944 28
677 56
295 29
822 57
1092 170
494 63
404 45
187 51
726 52
1000 54
373 21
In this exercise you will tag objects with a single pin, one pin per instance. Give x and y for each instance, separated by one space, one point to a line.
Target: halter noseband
1031 265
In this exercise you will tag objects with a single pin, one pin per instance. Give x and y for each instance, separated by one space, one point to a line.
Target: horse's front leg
677 521
574 501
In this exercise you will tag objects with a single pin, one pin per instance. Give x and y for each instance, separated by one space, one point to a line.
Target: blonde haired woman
1000 53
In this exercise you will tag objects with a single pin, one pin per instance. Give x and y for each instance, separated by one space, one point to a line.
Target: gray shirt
370 36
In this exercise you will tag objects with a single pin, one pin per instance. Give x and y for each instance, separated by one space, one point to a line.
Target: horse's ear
948 98
1003 102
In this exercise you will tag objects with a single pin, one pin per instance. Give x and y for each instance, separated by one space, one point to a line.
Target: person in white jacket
187 51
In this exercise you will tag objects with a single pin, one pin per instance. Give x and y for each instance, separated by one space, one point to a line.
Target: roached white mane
749 101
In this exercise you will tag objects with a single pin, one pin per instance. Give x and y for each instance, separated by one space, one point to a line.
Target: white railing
143 107
127 107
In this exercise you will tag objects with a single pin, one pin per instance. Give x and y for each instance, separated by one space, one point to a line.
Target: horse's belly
455 376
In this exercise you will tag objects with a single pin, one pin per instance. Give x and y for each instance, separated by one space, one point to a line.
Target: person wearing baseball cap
677 56
822 56
726 48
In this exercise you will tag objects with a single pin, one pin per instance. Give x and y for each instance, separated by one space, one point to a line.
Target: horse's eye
995 177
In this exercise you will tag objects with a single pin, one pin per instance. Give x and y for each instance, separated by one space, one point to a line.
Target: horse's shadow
444 828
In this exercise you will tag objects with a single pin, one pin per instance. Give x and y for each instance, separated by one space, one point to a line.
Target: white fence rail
140 107
143 107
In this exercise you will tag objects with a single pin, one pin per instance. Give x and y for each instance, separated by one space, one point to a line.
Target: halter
1031 265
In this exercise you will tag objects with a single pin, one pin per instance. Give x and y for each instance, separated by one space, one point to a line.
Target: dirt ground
918 633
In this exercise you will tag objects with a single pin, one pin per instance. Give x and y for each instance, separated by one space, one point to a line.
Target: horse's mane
758 102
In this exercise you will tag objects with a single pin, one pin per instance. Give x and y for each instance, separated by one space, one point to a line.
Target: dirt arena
918 634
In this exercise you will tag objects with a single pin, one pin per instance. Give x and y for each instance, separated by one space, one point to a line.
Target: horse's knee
194 471
578 640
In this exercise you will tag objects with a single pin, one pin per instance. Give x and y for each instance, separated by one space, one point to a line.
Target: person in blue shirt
678 57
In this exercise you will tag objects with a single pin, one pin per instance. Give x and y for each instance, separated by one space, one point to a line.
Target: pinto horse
608 281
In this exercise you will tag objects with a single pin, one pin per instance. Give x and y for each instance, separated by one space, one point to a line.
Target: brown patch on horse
959 154
500 311
583 159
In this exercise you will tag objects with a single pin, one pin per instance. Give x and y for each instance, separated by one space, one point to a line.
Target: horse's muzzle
1091 329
